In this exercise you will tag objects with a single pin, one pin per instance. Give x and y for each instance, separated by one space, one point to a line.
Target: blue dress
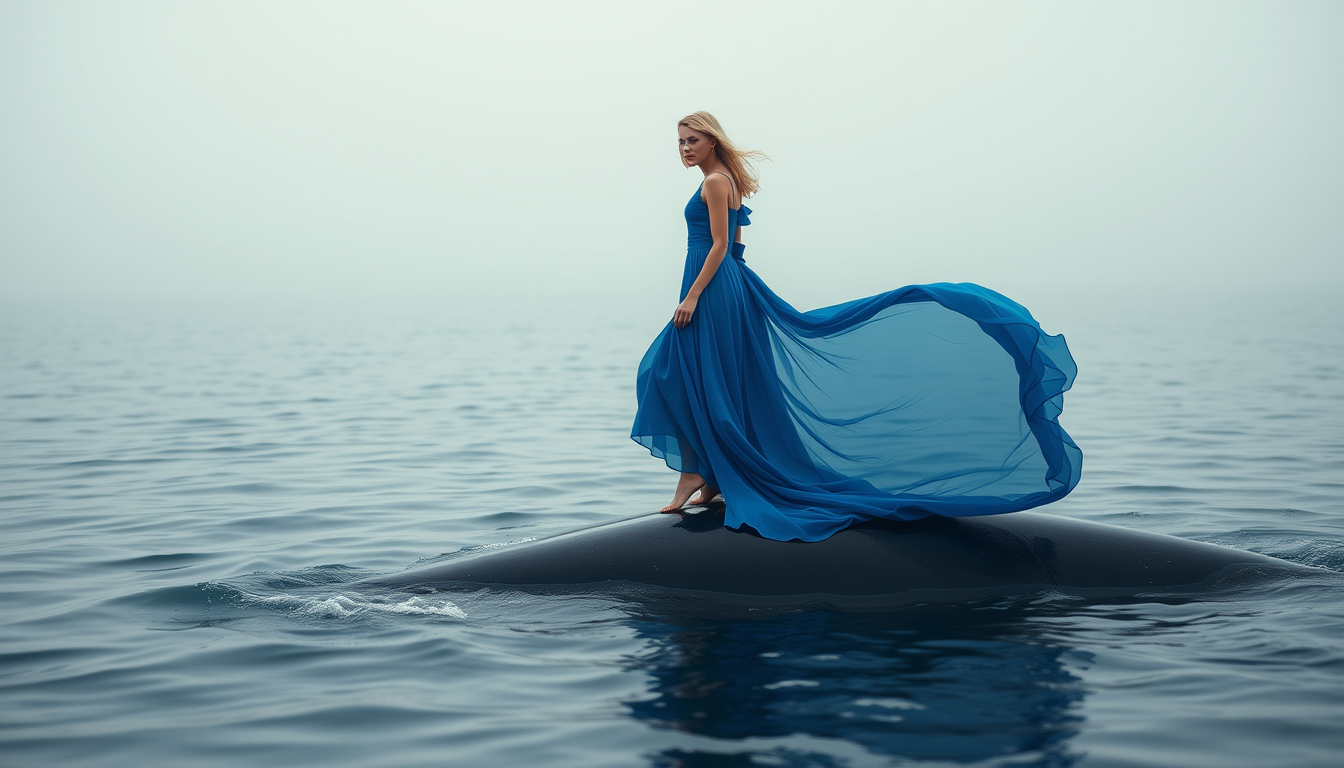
938 399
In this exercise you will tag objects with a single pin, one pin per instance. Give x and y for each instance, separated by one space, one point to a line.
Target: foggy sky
527 150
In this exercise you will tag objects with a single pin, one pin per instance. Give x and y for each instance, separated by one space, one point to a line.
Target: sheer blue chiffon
937 399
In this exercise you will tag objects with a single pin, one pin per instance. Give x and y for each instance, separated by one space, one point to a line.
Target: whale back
919 560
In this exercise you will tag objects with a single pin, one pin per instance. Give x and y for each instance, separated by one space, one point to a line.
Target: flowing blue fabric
937 399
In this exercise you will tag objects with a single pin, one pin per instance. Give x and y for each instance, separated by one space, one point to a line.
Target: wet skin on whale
936 558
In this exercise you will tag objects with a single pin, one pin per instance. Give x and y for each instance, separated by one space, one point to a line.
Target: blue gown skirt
937 399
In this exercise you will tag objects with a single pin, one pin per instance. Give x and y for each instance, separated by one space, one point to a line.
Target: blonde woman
930 399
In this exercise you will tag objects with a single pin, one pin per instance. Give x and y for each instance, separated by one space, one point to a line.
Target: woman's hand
682 317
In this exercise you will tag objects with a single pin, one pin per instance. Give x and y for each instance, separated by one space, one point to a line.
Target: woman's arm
716 193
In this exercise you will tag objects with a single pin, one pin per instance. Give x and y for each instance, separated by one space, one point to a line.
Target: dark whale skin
951 558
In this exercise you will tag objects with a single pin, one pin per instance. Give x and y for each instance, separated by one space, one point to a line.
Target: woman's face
695 146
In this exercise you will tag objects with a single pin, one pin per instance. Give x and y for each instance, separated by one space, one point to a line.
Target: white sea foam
342 606
889 703
791 684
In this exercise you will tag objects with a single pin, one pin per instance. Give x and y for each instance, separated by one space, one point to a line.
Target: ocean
187 492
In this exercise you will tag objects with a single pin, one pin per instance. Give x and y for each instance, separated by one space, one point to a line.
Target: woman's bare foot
688 483
707 494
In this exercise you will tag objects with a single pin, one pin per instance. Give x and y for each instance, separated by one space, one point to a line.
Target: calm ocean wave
189 495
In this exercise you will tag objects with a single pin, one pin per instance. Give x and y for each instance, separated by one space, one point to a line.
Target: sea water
187 492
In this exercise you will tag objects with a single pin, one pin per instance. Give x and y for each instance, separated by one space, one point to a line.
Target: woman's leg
688 483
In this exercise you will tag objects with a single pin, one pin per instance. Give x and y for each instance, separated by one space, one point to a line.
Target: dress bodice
698 235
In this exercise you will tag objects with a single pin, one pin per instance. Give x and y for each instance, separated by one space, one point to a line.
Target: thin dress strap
733 237
731 184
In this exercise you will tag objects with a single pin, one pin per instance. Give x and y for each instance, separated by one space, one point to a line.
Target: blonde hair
736 161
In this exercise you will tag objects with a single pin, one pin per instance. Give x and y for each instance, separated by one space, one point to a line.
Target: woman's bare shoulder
717 185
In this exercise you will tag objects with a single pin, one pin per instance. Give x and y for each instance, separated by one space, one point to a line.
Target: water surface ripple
187 495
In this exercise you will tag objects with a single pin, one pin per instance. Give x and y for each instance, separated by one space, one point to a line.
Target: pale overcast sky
528 149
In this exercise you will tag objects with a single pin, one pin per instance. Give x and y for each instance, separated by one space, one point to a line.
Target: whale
876 563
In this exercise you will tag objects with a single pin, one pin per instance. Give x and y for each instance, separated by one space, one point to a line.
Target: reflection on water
246 448
959 685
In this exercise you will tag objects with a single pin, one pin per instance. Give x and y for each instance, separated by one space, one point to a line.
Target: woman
935 399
